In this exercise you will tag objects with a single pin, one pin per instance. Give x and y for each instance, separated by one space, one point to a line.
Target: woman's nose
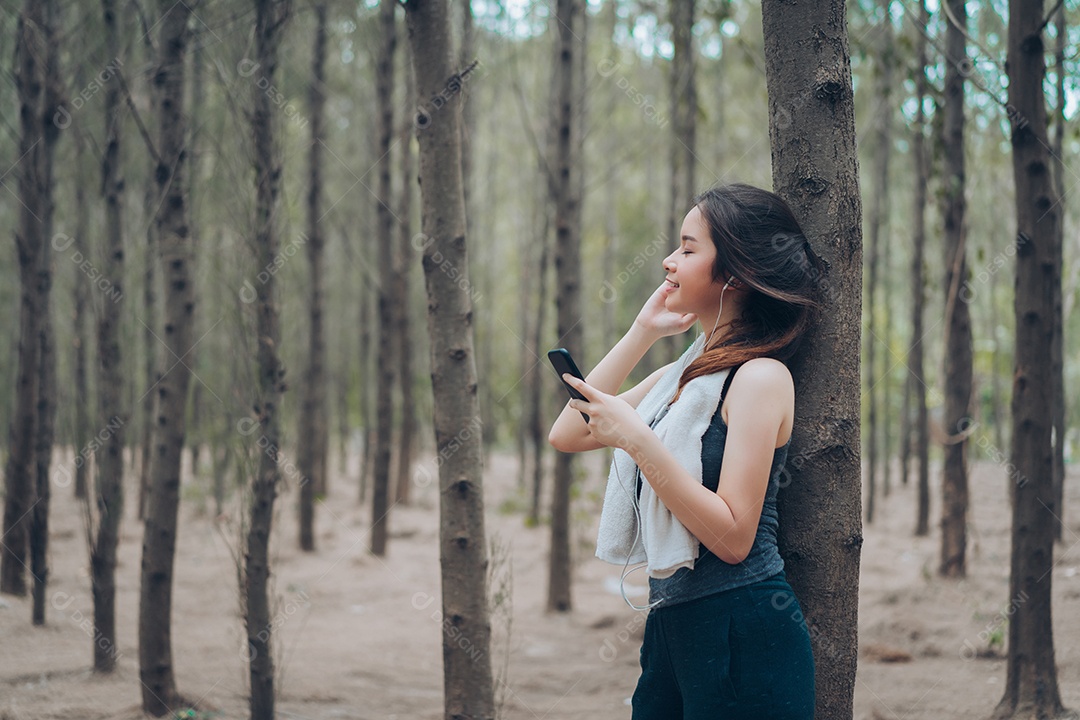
669 262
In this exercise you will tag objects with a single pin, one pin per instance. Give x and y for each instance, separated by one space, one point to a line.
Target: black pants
738 654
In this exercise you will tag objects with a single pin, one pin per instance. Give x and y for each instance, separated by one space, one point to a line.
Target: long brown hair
759 242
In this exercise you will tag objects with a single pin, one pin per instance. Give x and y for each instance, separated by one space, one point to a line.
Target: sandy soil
359 637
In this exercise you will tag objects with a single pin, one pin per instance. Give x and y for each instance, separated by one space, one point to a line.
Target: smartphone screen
563 363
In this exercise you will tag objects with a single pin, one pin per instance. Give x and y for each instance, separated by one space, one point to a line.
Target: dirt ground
359 637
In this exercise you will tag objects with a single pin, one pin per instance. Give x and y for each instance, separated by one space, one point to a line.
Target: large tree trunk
403 261
29 244
1031 688
958 350
462 546
314 424
109 495
567 201
270 18
384 232
918 285
812 131
159 535
1057 347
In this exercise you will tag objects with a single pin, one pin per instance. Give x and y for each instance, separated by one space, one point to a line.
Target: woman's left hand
612 420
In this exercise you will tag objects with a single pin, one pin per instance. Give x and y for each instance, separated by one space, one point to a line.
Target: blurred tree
270 19
113 411
958 347
385 356
1031 685
566 197
313 431
158 682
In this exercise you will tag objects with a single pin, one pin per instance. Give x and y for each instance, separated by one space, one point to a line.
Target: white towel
663 542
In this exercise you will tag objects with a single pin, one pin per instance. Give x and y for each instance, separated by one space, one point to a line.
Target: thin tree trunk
366 390
1057 347
881 229
30 239
314 424
918 285
39 515
537 434
270 18
567 204
151 358
467 675
958 348
196 434
158 683
815 169
385 356
80 299
682 89
873 263
109 495
1031 687
403 259
46 410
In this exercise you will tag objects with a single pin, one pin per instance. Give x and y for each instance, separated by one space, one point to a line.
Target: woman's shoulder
764 372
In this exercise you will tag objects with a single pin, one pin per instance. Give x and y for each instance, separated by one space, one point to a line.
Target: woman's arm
760 403
654 321
569 433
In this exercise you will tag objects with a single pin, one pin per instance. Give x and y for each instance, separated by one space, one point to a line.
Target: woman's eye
686 252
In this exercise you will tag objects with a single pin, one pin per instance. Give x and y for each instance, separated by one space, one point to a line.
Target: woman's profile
700 446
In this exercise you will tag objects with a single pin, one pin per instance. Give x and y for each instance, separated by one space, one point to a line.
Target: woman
725 636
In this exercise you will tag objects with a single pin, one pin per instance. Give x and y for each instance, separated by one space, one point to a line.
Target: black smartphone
563 363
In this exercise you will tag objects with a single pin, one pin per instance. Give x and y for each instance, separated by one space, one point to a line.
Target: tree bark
158 683
1057 347
537 429
109 495
312 435
884 142
682 87
366 391
878 217
151 359
270 18
384 353
812 132
918 285
1031 687
567 202
39 514
81 341
958 347
403 261
30 241
46 409
467 678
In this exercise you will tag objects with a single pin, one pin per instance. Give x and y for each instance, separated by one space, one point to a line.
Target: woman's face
690 286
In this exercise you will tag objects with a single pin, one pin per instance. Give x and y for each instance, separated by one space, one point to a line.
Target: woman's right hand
656 320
